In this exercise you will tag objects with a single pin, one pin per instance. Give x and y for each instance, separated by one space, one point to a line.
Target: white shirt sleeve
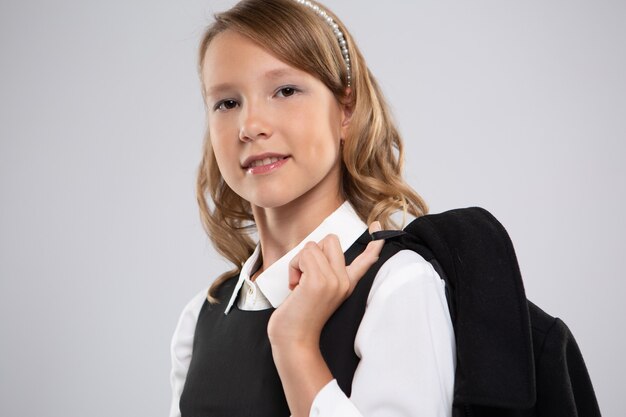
181 348
406 346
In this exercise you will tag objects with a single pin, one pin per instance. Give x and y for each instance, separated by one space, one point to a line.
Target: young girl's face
275 130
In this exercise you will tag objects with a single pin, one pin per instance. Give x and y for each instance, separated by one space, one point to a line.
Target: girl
301 149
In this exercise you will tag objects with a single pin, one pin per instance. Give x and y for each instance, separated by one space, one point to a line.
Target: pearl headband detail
335 27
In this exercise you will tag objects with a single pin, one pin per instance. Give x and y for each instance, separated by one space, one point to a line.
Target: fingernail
375 227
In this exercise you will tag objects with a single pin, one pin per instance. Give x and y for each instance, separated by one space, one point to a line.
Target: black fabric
563 385
513 359
232 371
492 320
227 349
564 388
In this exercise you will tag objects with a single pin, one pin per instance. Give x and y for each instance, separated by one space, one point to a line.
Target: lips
262 160
265 161
263 164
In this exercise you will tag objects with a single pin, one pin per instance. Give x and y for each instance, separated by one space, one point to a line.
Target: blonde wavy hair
372 156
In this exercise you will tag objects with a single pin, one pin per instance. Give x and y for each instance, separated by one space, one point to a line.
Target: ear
346 113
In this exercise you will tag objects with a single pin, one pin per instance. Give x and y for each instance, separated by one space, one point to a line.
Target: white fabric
405 340
252 298
344 222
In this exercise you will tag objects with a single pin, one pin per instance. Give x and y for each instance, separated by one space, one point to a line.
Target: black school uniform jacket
513 359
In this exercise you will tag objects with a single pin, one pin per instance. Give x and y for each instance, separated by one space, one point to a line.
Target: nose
255 123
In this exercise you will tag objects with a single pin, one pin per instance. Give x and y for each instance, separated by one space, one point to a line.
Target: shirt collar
274 281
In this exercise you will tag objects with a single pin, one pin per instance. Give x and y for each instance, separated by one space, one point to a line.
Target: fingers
311 261
331 248
295 273
365 260
325 262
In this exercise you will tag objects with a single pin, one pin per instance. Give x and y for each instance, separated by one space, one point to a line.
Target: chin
270 202
271 198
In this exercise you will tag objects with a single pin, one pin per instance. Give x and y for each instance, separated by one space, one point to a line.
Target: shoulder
405 270
185 328
193 306
407 318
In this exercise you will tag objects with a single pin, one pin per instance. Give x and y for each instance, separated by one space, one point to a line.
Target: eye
225 105
287 91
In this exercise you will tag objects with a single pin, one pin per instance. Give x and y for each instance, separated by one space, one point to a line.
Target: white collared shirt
405 341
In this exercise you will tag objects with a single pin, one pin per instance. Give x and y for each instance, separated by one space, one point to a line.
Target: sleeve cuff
331 401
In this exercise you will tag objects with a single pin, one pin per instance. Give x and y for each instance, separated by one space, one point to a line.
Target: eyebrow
279 72
271 74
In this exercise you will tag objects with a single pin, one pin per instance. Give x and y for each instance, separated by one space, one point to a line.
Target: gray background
518 107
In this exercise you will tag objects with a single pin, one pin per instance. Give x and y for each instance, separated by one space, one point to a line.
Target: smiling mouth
267 165
264 161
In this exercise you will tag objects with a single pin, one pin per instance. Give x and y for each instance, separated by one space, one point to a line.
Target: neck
283 228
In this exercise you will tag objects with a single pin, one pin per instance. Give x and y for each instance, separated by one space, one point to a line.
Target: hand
320 282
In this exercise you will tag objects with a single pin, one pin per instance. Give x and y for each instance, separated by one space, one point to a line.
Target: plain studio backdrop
515 106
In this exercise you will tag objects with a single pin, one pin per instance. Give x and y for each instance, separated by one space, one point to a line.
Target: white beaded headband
335 27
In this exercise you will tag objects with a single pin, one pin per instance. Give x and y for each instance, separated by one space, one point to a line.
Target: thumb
365 260
294 272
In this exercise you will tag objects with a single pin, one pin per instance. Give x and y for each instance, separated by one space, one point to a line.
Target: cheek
322 151
325 140
318 132
225 151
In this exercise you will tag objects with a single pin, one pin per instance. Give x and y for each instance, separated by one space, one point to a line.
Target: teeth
266 161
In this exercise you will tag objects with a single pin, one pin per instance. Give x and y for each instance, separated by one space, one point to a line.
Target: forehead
231 56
